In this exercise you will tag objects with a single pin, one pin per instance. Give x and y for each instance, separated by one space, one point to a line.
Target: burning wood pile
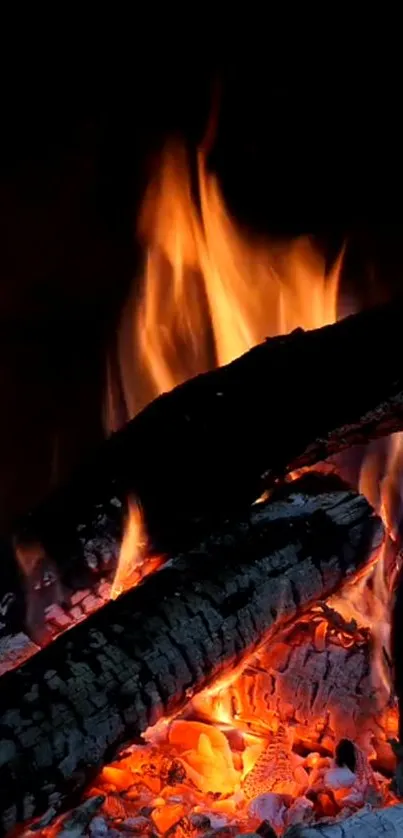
216 660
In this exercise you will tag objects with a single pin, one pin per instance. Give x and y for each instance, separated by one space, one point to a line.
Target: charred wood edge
367 823
73 705
201 454
319 681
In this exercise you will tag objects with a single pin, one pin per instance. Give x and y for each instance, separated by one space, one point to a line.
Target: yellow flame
131 557
209 292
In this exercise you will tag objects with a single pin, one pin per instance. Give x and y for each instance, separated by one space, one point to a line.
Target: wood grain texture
69 708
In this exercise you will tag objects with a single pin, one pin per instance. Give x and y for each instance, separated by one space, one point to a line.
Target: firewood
326 693
368 823
316 675
70 708
199 454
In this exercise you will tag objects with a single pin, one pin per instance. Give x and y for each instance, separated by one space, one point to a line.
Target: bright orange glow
368 602
134 563
209 292
208 762
369 599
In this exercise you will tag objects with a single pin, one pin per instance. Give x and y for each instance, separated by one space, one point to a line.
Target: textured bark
368 823
206 450
71 706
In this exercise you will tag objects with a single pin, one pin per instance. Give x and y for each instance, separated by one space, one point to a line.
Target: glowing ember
260 746
192 775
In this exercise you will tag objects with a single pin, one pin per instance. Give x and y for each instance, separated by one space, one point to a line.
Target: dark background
298 150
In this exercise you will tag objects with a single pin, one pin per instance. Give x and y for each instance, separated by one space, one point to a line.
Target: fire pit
206 644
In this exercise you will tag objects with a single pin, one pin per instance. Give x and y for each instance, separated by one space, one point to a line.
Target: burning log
320 685
368 823
208 448
72 706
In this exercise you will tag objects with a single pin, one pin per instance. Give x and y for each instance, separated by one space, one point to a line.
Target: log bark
368 823
203 452
69 708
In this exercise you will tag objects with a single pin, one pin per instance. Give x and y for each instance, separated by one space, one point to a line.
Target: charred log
368 823
201 453
69 708
315 677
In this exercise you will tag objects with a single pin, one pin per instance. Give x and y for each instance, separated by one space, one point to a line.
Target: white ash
6 602
339 778
367 823
98 827
269 807
300 811
15 649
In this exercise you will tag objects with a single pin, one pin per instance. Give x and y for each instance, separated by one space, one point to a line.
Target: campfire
206 644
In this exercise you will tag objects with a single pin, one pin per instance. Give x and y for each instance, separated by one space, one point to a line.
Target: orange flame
369 601
209 292
134 563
